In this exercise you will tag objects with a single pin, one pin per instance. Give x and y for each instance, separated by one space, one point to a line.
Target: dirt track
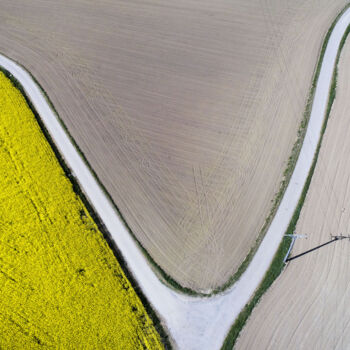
187 113
307 307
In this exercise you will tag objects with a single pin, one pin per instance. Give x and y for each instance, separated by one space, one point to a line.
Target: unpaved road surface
308 306
187 111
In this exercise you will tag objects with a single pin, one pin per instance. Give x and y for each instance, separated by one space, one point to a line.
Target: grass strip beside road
277 264
287 174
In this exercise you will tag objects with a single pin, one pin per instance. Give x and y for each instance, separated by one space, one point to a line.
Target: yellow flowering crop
61 287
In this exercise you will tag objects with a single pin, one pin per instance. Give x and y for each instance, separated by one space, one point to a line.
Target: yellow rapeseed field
61 287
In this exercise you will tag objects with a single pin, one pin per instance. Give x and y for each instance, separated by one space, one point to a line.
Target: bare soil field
187 111
308 306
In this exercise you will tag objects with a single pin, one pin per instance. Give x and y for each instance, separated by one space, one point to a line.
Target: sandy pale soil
187 111
308 306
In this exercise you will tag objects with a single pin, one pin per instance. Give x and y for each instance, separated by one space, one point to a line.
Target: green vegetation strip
277 264
287 174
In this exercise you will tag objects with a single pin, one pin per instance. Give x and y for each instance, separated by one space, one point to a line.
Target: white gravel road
194 323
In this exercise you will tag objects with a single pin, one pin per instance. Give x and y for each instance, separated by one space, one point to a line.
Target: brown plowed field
186 110
308 306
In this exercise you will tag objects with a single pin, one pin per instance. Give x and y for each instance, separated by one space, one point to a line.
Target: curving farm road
193 322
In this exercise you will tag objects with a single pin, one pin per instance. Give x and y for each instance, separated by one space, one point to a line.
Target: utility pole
294 238
334 238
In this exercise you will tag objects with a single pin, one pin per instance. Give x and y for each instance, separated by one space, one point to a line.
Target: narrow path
193 322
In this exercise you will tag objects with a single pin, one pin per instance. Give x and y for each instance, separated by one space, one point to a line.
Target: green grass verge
287 174
277 264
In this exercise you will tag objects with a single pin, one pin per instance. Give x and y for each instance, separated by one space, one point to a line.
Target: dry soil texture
186 110
308 306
